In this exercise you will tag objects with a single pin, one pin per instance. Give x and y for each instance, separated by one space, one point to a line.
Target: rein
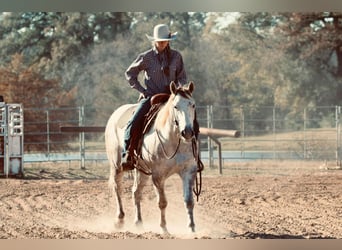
163 148
200 166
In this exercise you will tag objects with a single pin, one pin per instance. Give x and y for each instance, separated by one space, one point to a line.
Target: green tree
52 39
101 72
298 66
188 25
315 36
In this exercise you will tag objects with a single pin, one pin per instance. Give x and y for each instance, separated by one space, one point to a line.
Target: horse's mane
185 92
164 112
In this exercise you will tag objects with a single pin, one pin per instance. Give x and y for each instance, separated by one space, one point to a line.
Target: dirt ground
262 199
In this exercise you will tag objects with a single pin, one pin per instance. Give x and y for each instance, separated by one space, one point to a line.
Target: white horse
167 149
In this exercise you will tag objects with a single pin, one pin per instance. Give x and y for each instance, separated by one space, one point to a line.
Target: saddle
137 137
156 102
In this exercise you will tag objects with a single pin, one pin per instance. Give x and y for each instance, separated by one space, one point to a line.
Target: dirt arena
286 200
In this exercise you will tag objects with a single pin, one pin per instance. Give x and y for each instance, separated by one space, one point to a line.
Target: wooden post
219 152
82 142
219 132
213 133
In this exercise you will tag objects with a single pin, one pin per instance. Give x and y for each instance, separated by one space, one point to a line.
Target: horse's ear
191 87
173 87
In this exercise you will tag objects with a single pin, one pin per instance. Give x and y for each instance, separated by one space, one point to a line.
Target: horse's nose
188 133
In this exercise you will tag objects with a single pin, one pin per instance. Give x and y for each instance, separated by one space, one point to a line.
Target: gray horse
167 149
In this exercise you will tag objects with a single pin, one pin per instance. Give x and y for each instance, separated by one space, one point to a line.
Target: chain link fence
266 133
270 133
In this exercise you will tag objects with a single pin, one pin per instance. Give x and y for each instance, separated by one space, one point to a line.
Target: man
160 65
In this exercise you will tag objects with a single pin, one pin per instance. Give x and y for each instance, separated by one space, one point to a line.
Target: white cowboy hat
161 32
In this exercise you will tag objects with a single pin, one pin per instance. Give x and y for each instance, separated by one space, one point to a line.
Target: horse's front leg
159 184
188 178
140 180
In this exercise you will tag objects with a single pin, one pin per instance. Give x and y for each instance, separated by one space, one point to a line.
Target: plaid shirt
153 65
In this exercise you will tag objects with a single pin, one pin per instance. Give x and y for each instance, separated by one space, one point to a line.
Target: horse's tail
114 136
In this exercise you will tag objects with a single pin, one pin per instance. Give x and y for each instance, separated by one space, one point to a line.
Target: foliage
287 60
20 84
17 81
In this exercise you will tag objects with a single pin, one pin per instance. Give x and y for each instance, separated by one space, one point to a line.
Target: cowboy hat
161 32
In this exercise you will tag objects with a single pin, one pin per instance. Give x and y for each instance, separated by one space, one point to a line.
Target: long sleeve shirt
153 64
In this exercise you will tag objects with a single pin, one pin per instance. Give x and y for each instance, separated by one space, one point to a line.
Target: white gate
11 139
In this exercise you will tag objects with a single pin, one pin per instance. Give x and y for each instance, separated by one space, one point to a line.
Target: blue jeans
134 127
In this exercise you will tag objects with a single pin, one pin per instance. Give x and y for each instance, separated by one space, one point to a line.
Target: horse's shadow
55 175
251 235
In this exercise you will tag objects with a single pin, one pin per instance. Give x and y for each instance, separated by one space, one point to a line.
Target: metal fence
266 133
272 133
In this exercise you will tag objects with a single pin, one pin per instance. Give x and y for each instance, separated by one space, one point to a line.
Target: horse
167 149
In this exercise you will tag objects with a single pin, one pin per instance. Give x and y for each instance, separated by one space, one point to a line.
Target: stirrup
127 162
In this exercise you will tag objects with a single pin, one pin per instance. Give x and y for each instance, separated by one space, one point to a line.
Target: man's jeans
135 124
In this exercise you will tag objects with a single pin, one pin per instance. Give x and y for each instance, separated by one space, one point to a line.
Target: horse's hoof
119 224
165 231
139 225
192 227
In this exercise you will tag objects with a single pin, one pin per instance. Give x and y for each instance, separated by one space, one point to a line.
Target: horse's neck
165 126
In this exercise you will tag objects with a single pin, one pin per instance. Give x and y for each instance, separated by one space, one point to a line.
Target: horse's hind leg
140 180
118 179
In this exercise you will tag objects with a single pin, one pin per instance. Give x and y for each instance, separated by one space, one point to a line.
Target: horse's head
183 106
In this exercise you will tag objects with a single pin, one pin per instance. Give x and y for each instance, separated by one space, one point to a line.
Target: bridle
200 166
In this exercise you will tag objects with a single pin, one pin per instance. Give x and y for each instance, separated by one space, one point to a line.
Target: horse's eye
175 107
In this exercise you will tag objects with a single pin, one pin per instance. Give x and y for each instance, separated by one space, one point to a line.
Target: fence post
81 138
274 131
210 125
242 129
48 134
304 135
338 135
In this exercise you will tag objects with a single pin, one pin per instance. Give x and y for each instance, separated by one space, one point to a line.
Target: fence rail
313 134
